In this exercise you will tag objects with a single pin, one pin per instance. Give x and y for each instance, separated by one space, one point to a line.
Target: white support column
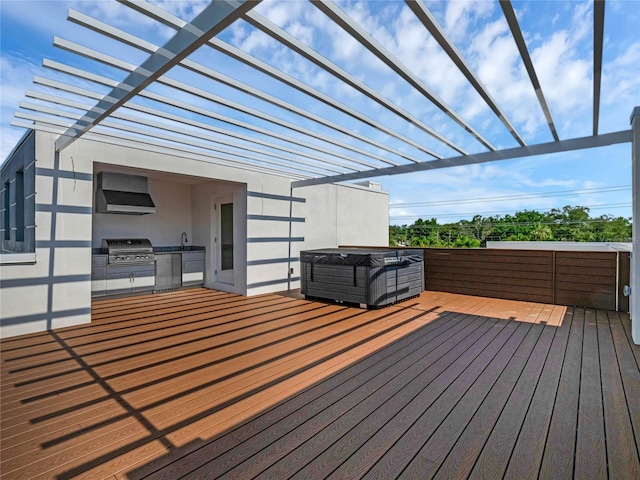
634 304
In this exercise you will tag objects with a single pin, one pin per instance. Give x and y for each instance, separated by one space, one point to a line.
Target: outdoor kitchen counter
189 270
169 249
177 249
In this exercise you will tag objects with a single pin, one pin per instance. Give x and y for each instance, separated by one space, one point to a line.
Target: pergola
314 150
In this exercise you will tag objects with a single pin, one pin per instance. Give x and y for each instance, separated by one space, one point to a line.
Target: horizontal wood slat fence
574 278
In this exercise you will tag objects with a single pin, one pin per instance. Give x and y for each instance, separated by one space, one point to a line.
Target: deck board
622 456
461 457
270 427
628 370
400 438
359 406
207 384
591 454
527 453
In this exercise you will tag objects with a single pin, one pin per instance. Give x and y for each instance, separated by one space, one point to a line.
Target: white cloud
620 78
251 40
184 9
281 13
460 14
35 16
565 79
473 189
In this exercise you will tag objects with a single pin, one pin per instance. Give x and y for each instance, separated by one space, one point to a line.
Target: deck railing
575 278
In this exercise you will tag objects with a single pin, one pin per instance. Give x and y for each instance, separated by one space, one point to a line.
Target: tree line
565 224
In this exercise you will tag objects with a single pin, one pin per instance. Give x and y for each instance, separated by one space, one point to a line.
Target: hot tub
368 277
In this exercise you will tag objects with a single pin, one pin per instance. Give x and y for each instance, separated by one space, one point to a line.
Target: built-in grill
129 251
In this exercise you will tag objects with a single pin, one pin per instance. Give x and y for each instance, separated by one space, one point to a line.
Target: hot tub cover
361 257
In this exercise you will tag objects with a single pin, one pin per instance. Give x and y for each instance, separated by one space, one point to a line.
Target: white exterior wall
344 214
363 216
56 290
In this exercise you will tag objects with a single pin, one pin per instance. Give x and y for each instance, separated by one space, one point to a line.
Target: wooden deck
204 384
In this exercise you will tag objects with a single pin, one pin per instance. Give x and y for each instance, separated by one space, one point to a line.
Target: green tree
569 223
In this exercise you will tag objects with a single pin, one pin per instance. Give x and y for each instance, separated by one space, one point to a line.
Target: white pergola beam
598 40
283 37
133 41
356 31
151 145
321 163
174 22
188 107
212 145
212 20
292 82
512 21
271 29
507 154
299 154
275 32
437 32
101 57
190 89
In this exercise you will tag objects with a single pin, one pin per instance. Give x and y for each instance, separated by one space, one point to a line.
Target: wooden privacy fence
575 278
585 279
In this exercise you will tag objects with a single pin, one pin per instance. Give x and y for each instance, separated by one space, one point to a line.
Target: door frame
223 276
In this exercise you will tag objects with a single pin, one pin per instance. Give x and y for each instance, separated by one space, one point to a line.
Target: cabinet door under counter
193 267
130 278
117 279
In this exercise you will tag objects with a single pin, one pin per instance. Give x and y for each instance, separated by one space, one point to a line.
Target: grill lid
127 244
125 251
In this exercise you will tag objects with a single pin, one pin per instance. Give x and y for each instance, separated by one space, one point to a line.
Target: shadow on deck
205 384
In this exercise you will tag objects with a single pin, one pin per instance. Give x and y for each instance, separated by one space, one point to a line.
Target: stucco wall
56 290
344 214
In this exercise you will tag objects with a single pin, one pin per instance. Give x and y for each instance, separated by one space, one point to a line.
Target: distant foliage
569 224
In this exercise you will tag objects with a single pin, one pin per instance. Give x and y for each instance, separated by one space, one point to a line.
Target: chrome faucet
183 240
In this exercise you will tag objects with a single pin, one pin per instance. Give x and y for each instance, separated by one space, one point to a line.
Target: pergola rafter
598 40
212 20
512 20
437 32
339 17
319 147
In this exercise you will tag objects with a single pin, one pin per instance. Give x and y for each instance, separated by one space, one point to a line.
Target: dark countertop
177 249
168 249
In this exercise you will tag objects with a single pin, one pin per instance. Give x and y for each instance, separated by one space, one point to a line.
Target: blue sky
558 35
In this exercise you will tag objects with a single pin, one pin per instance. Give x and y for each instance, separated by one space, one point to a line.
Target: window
226 235
7 211
19 191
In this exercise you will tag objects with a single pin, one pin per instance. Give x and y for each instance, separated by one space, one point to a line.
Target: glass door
225 241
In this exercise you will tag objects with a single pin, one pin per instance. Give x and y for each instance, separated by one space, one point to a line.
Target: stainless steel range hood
124 194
